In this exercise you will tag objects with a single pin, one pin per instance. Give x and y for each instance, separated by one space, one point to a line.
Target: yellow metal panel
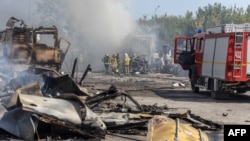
162 128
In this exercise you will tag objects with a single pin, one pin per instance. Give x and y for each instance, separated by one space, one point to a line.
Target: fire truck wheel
240 91
194 89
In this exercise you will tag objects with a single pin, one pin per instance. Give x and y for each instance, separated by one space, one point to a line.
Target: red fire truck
217 60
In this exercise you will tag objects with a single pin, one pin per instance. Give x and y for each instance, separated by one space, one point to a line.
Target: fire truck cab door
183 52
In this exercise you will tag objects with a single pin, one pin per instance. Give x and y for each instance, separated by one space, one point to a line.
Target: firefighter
126 62
106 61
118 60
113 64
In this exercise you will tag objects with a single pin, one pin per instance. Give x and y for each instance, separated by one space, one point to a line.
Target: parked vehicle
217 60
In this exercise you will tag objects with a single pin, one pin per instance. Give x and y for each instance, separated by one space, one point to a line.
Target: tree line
169 26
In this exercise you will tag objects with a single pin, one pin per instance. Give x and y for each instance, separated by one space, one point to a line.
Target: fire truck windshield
184 45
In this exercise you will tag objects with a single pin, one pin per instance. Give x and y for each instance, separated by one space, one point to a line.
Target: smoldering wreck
39 102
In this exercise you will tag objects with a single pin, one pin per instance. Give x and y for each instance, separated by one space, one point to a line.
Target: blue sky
138 8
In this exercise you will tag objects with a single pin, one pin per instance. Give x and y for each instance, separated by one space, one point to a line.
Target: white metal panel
208 57
248 55
220 57
62 109
226 28
215 29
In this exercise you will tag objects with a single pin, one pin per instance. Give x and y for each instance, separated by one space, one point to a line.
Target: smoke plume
103 24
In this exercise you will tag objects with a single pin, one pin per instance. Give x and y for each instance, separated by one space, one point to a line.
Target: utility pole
156 9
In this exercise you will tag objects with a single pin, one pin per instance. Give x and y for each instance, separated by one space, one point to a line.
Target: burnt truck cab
27 46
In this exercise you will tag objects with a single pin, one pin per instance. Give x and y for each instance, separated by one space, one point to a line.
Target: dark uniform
106 61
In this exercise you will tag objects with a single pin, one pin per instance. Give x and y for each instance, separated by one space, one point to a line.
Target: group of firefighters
114 63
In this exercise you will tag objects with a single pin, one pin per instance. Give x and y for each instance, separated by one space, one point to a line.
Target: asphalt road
160 89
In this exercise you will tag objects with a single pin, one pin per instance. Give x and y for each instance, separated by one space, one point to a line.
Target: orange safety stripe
209 62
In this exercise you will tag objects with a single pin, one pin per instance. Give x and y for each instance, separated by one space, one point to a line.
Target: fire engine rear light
229 73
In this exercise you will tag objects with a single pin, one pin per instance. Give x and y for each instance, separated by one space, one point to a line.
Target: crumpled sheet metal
18 122
60 85
62 109
31 89
161 127
91 119
34 85
22 120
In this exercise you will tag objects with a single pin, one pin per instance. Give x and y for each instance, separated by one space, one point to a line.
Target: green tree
247 14
189 28
169 26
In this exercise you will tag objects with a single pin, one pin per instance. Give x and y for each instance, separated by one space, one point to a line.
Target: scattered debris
225 114
178 84
40 102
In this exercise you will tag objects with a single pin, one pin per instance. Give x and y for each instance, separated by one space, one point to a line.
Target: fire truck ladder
238 54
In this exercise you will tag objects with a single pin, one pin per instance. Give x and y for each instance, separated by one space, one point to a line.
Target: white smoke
104 24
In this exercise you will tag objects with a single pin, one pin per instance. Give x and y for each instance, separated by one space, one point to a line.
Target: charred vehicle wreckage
39 102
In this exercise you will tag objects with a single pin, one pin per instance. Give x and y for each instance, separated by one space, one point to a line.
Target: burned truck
23 47
55 107
139 64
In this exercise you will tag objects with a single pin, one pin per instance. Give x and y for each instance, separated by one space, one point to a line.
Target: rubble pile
48 105
41 106
38 106
40 103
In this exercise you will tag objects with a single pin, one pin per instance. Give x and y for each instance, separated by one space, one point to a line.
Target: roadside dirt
159 89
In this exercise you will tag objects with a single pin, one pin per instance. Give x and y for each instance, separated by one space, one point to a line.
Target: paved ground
159 88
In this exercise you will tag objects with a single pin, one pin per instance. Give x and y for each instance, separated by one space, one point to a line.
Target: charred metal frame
112 93
20 46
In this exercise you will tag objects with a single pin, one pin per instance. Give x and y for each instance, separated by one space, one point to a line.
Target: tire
219 94
241 91
194 89
193 79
